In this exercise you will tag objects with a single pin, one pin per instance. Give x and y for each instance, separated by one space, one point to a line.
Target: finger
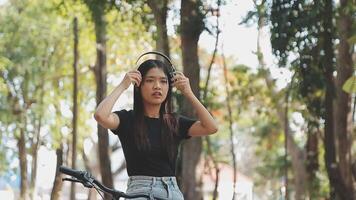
177 77
179 83
138 76
135 72
136 81
135 76
179 73
183 79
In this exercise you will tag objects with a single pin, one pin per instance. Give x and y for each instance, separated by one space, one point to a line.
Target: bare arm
206 124
103 114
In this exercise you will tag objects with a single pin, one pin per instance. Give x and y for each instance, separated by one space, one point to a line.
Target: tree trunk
75 103
297 154
34 151
191 28
92 195
337 185
312 164
21 144
343 114
204 100
98 15
57 184
298 158
232 145
286 133
159 8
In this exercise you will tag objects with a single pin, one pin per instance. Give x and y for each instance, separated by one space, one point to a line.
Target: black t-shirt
155 161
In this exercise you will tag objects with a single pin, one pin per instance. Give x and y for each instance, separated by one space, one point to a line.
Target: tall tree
75 102
229 116
21 144
343 113
29 58
261 16
191 27
159 9
57 183
210 154
332 167
309 28
97 9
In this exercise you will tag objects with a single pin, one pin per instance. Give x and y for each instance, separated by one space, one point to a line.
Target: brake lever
89 180
71 180
87 184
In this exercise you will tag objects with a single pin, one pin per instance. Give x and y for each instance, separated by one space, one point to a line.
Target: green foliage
256 117
137 12
261 12
36 58
296 29
352 40
350 85
296 25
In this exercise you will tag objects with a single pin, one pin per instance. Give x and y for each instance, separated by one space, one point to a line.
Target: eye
164 81
149 80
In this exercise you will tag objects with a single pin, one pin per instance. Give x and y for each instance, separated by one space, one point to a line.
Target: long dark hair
167 117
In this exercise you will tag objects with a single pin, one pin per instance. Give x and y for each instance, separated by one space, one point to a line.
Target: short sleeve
184 124
124 117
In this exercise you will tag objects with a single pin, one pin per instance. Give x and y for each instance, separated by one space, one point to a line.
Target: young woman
151 133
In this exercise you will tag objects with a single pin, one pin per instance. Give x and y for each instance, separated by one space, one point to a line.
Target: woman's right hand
134 77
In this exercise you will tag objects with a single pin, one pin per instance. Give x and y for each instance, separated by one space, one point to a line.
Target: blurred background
278 76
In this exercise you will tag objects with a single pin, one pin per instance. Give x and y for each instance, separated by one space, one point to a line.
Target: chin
156 102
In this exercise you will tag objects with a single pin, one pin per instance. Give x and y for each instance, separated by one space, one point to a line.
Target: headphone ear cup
171 74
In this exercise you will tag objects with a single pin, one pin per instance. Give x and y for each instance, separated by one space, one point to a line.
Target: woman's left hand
182 83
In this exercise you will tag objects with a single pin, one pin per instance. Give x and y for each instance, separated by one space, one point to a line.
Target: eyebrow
160 77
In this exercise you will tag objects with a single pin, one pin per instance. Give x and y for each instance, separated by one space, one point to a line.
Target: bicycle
88 181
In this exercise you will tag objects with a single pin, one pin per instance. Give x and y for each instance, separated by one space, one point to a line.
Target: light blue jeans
161 187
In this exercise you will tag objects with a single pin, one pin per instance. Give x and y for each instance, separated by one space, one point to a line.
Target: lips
157 94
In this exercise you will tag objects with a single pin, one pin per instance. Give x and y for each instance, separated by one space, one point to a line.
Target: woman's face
154 86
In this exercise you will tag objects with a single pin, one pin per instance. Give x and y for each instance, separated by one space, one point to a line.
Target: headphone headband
172 68
157 53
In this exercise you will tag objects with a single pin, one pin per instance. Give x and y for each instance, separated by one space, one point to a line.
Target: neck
152 110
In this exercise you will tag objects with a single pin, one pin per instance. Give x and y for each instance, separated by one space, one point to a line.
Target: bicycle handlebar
89 181
71 172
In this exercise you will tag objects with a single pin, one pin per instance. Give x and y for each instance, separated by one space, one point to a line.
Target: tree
191 27
159 9
25 78
309 29
75 102
343 113
97 9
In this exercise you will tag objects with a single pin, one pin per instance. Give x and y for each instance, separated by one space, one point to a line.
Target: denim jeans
161 187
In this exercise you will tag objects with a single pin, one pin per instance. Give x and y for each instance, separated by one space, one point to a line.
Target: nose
157 85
